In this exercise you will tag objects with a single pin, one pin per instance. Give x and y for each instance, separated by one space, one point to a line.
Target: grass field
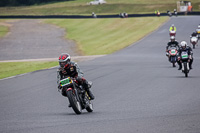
8 69
3 29
105 36
80 7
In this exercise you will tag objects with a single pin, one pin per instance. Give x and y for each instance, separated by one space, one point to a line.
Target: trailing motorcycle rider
185 48
69 68
198 31
194 34
194 38
171 43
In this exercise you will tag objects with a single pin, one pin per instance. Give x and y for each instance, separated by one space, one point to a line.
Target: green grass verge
112 7
8 69
105 36
3 29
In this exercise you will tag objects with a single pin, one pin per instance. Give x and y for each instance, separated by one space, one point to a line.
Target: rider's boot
87 85
190 66
87 88
180 67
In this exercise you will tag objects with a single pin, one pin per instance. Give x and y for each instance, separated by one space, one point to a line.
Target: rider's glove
59 87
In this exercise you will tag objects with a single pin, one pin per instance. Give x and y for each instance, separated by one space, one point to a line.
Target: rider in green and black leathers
187 49
68 68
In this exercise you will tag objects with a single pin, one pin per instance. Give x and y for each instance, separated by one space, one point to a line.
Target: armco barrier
84 17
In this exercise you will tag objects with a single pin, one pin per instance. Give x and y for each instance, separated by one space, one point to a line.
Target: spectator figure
121 15
125 15
169 13
94 15
158 13
175 12
155 12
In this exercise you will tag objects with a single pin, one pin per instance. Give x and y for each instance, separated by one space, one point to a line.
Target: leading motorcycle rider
69 68
171 43
185 48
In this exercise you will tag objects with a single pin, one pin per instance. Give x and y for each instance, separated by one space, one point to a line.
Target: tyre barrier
84 16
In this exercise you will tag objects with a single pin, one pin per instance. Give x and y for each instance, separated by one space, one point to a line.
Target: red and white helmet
64 60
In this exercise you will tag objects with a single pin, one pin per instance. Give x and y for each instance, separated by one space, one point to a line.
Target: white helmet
198 26
183 44
172 25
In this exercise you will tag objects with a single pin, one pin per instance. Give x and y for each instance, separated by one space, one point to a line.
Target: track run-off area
136 91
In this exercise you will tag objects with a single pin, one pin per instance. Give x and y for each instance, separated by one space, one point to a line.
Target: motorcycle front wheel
173 61
185 70
173 64
76 105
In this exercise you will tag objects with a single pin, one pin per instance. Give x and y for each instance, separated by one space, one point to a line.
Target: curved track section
32 39
136 89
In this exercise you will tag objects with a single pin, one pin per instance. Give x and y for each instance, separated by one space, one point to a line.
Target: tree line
25 2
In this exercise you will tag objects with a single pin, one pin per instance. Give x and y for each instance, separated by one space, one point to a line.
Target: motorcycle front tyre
185 70
76 105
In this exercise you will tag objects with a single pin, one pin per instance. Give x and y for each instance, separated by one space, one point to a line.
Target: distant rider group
181 53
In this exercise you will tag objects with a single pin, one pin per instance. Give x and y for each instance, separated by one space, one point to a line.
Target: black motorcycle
185 63
173 55
78 97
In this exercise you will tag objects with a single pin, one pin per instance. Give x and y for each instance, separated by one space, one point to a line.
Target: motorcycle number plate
184 55
173 51
65 82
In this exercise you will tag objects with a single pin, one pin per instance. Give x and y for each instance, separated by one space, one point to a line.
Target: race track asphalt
33 39
137 91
